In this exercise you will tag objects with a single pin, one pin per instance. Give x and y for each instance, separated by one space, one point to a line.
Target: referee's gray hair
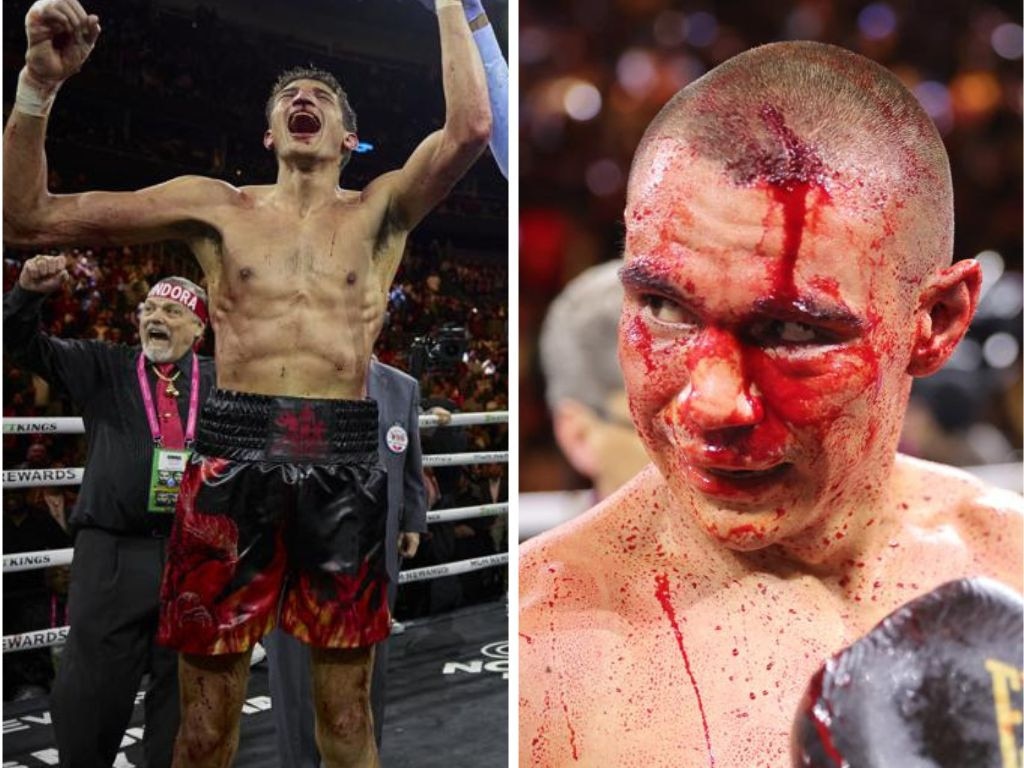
578 341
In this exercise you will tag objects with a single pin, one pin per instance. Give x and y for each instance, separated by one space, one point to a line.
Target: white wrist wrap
439 4
30 100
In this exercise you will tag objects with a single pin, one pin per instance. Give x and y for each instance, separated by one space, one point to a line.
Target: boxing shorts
280 519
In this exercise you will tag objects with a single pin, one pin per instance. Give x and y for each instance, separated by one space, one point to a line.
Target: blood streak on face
789 177
750 335
639 336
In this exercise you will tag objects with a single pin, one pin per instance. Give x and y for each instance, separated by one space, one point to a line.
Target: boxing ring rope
31 561
49 558
64 476
44 478
466 513
46 638
73 425
58 425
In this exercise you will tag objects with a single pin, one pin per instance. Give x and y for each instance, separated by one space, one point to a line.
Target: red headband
176 292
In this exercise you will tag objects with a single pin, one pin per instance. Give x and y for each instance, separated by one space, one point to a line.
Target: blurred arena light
534 45
636 72
804 22
1001 350
967 356
702 29
975 94
670 29
992 267
1004 300
582 101
935 100
1008 40
604 177
877 21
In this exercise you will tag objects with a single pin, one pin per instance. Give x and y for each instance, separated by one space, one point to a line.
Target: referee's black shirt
101 380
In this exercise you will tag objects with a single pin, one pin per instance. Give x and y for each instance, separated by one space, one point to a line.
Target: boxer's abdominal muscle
297 313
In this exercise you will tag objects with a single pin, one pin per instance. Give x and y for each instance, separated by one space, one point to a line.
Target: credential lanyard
147 398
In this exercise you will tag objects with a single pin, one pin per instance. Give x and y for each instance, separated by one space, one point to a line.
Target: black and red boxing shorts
280 519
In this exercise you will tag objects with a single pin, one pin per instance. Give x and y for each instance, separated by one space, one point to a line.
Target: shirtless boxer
297 274
788 239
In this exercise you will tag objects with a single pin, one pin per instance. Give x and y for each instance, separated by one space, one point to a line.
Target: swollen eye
772 332
796 333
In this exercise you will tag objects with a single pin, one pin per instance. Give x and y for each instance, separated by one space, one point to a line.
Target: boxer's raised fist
61 35
43 274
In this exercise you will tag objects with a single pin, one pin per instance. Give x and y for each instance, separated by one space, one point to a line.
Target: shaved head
806 113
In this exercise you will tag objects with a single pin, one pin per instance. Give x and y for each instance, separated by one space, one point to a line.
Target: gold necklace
171 390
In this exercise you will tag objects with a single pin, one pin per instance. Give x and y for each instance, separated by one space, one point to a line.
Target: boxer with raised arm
286 486
789 228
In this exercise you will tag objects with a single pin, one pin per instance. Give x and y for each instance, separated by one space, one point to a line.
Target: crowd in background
140 113
593 73
173 92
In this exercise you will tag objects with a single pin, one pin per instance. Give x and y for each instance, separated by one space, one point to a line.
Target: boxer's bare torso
644 643
297 282
296 296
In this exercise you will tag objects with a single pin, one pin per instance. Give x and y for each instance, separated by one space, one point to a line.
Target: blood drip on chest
664 596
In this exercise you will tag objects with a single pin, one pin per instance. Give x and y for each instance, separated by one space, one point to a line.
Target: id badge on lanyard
168 465
165 478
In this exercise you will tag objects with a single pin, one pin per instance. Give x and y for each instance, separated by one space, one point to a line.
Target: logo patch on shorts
298 431
397 439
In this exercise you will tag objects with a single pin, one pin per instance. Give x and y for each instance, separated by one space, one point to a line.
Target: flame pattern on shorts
245 531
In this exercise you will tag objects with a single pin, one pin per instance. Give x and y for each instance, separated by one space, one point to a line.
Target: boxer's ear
574 425
268 140
350 142
943 316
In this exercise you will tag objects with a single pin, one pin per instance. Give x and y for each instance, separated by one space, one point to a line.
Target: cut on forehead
810 112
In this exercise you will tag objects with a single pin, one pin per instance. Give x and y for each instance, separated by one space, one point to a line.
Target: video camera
443 349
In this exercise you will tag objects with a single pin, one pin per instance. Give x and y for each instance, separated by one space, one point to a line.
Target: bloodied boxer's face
765 338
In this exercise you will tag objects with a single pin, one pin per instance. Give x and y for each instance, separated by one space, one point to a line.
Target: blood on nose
719 393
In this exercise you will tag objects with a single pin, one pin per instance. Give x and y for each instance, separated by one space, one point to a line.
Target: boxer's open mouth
303 124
